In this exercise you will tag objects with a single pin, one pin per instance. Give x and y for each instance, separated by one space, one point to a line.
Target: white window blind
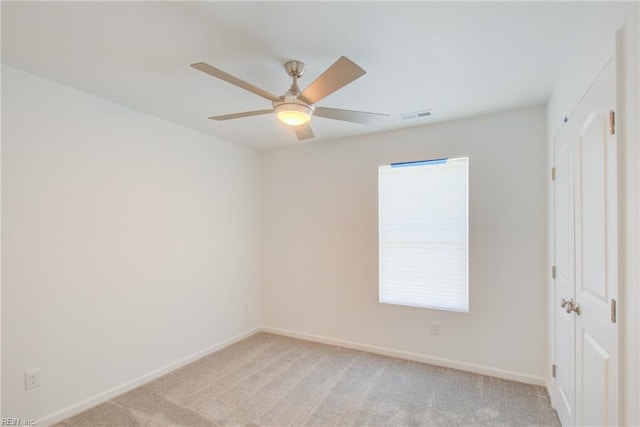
423 234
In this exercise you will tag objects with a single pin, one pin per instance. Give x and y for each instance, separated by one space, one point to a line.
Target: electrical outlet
246 310
32 379
435 328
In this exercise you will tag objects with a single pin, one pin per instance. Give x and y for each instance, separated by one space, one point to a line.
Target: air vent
416 114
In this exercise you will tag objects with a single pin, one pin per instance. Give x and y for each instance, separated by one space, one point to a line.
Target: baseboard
128 386
549 386
446 363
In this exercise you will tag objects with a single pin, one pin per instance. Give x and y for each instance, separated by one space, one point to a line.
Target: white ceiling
458 59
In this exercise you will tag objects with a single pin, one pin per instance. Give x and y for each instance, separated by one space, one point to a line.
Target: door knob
570 306
576 308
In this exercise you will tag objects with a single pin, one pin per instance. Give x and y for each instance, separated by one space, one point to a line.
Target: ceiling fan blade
239 115
304 132
350 115
340 74
216 72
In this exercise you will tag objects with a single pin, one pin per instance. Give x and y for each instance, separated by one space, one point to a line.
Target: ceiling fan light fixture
293 114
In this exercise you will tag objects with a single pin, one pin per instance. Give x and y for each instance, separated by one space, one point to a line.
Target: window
423 234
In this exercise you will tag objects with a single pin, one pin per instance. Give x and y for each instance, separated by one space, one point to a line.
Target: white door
596 255
585 200
565 324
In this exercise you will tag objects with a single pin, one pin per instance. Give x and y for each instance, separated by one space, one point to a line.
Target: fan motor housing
293 100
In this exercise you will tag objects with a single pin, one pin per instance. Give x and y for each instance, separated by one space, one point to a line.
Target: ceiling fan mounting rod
295 69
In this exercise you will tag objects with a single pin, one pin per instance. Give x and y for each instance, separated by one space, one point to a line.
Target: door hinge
612 122
553 272
553 371
614 314
553 174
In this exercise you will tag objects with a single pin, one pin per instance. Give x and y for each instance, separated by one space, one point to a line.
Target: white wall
129 243
586 59
320 242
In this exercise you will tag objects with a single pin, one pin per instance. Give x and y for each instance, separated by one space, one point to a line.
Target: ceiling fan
296 107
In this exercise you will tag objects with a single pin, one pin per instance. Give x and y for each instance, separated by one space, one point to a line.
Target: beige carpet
270 380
